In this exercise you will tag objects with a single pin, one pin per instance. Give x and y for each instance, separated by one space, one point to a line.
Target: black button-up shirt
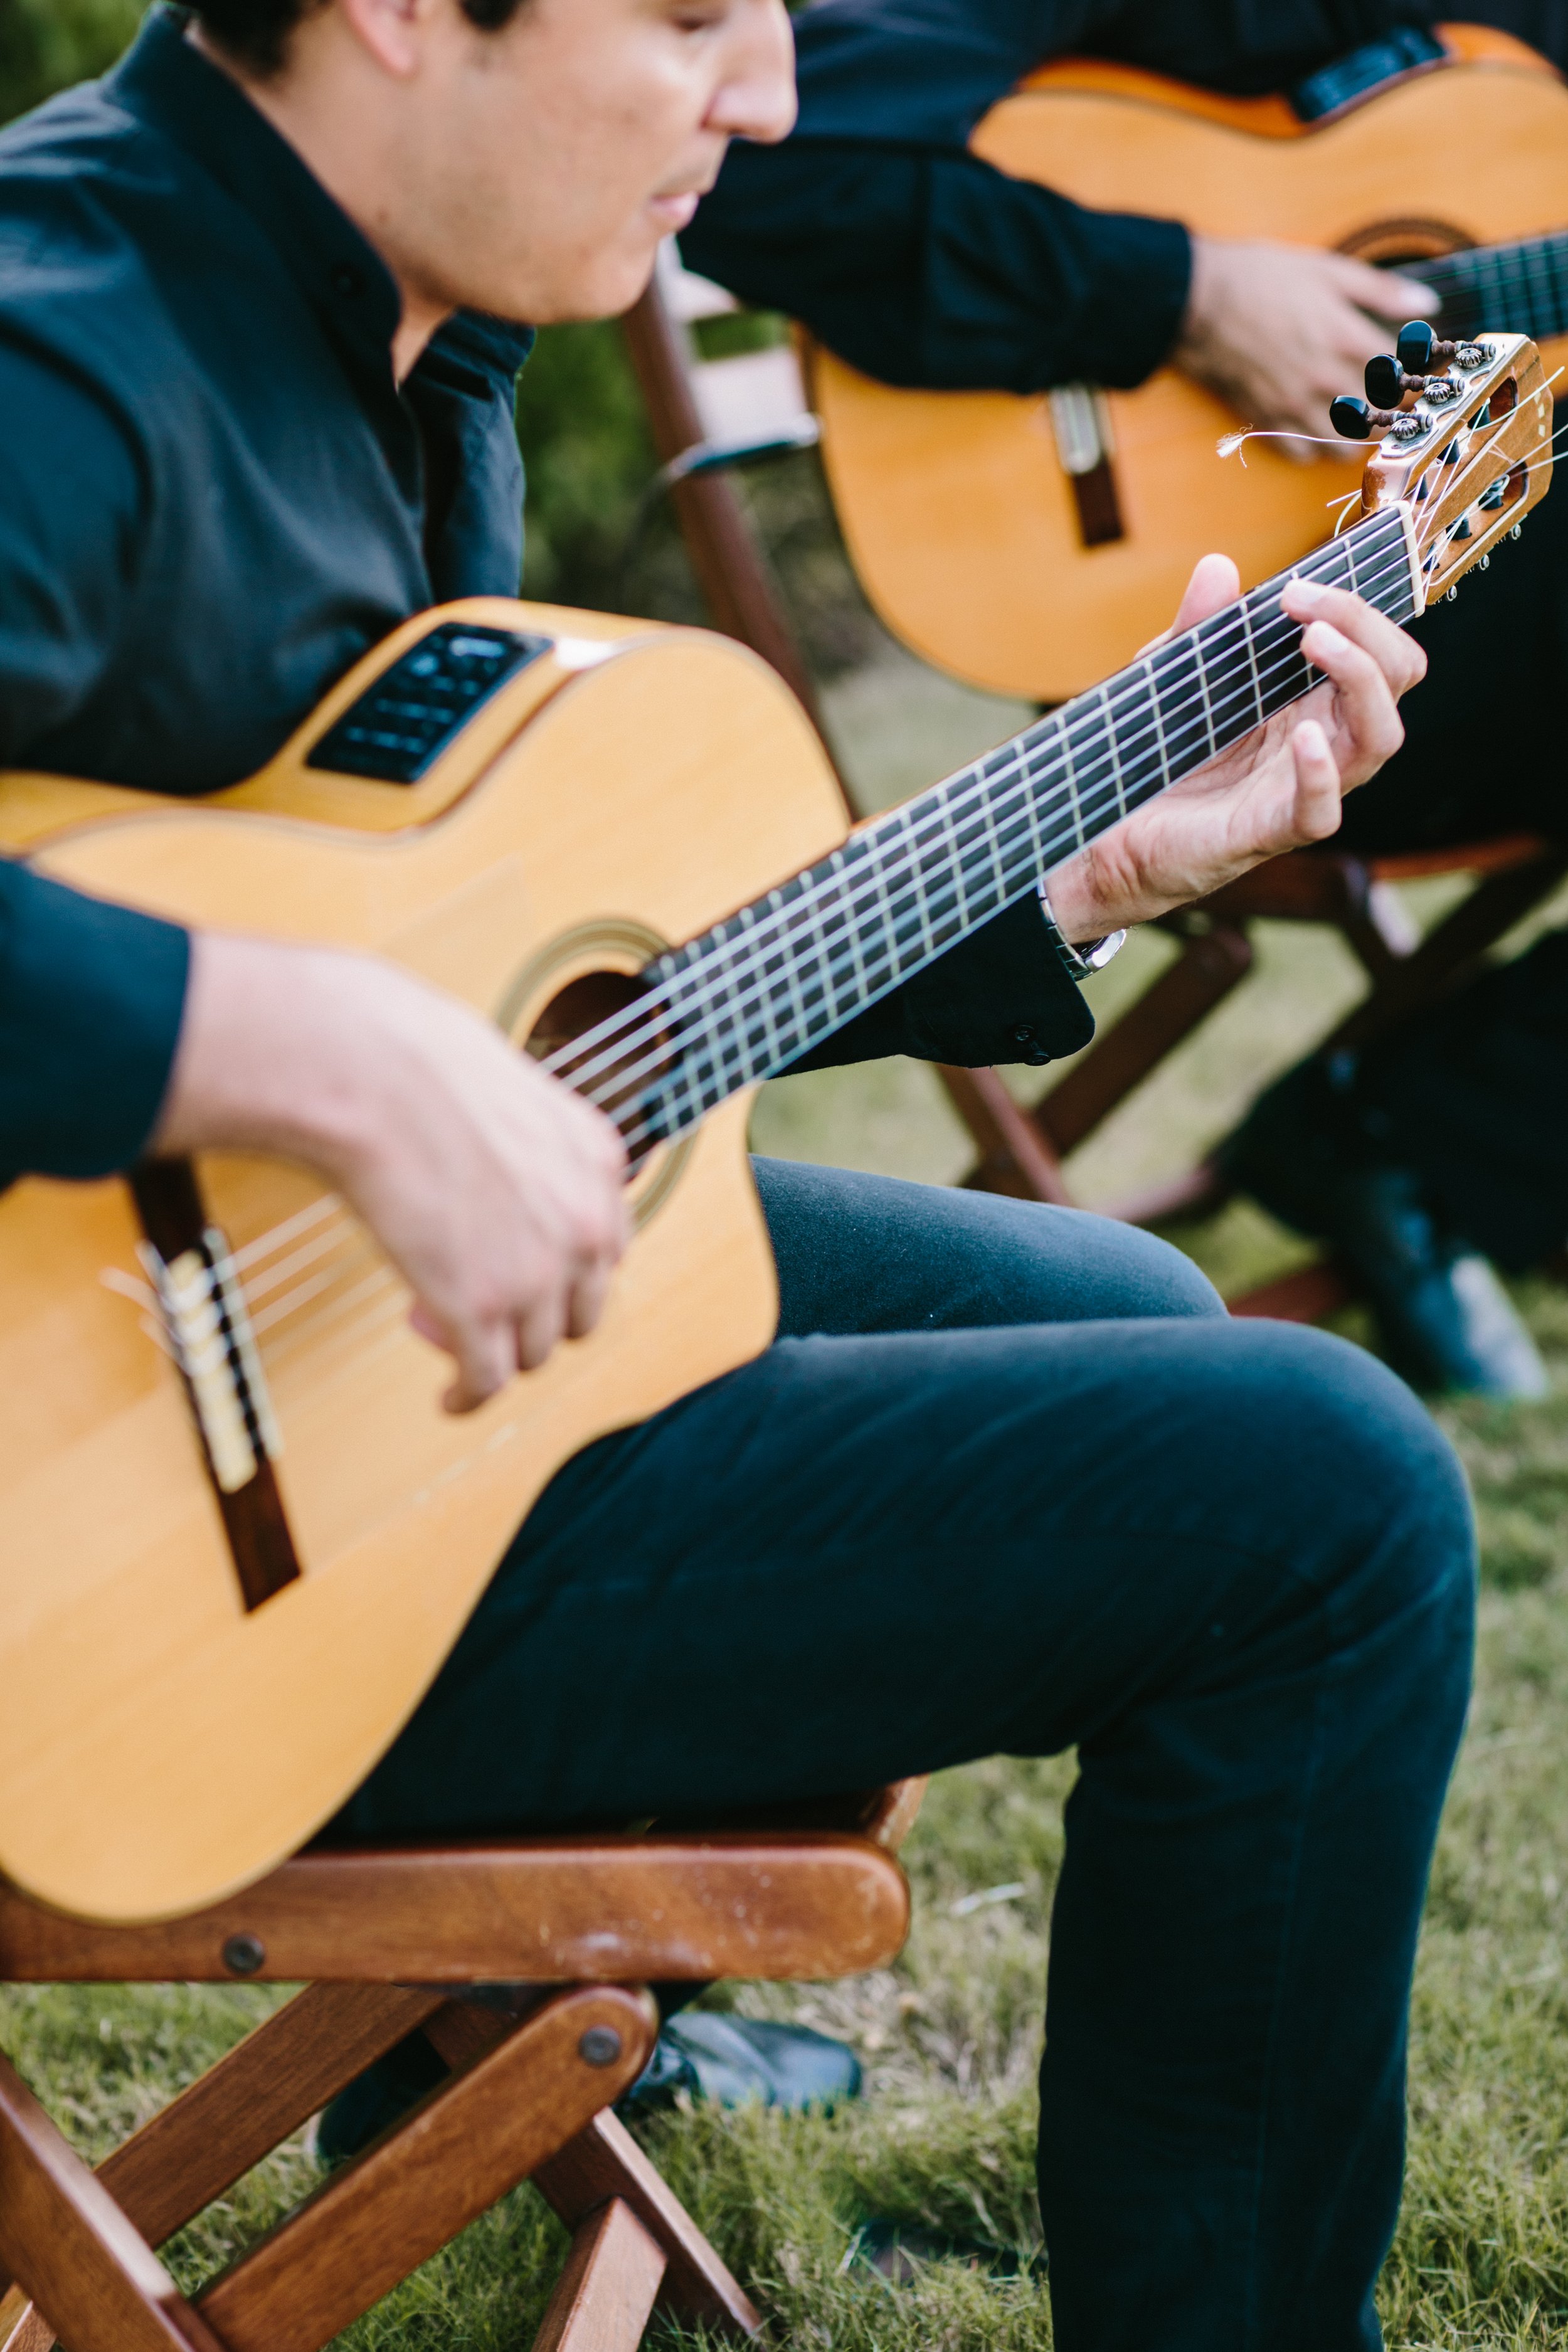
921 264
213 497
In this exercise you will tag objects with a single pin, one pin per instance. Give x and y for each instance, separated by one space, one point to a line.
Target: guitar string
1008 792
268 1243
1007 875
1091 802
1425 531
613 1029
969 785
685 1075
622 1078
1006 788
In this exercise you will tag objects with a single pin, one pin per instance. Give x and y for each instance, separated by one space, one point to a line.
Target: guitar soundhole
617 1075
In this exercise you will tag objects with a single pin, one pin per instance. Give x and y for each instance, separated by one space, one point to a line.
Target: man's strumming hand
495 1190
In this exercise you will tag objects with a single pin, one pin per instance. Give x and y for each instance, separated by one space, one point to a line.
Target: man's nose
756 98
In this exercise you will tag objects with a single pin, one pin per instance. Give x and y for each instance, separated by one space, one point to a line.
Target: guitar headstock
1464 441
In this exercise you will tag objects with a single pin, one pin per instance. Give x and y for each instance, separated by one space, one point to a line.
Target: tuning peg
1416 347
1355 420
1387 382
1418 350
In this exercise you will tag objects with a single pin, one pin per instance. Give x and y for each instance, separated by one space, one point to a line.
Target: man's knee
860 1253
1372 1486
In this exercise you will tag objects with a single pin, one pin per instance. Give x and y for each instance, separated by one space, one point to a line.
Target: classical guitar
1030 544
240 1534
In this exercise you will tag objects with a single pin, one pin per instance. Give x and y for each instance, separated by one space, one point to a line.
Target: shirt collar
165 81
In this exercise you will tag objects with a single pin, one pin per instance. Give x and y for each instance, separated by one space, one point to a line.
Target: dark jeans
1012 1481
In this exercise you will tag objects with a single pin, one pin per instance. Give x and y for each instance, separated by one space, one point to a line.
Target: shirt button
346 279
1032 1050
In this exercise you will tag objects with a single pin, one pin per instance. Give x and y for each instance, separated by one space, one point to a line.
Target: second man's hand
1277 330
1279 788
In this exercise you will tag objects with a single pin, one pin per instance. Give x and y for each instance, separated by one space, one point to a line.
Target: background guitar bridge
1080 419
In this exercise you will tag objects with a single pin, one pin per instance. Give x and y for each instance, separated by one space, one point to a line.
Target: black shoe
725 2060
729 2061
1445 1320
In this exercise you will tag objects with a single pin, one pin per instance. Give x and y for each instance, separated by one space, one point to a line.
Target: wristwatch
1094 954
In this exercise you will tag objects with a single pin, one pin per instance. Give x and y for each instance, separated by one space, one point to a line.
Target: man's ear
393 31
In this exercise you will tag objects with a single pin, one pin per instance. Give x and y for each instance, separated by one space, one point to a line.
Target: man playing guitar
921 264
1009 1479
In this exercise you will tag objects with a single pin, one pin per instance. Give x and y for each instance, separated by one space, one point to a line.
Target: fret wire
1030 749
948 930
1035 744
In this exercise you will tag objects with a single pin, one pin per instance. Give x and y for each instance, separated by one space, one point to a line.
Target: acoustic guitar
1030 544
240 1534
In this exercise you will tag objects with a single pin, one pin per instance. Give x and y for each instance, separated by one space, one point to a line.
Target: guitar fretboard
1514 289
745 999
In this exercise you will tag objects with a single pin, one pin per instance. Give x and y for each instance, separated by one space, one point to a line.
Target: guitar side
961 523
161 1745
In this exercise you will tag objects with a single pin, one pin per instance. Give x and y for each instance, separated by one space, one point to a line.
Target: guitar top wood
160 1744
961 520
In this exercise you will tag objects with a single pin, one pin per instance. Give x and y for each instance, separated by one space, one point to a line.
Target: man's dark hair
254 33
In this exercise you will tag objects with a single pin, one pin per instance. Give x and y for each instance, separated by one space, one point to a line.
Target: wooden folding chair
706 417
526 1965
1406 971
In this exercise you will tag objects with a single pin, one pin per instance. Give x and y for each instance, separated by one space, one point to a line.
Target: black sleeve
936 269
924 266
91 1002
1001 995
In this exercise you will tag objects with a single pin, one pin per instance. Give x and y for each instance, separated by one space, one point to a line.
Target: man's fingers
1367 712
1215 582
1384 292
1396 653
1319 787
487 1359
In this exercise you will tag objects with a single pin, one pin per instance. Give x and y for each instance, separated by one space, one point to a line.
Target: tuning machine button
1416 347
1387 382
1356 420
1418 350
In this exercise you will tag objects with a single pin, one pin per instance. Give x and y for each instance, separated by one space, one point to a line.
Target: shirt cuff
91 998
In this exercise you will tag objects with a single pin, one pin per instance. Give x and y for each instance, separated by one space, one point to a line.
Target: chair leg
23 2327
1169 1010
604 2296
603 2163
1015 1158
1447 954
239 2111
473 2138
65 2242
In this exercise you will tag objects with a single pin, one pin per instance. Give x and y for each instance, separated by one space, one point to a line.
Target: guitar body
160 1743
964 525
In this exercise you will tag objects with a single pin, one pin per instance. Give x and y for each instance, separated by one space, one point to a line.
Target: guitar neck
745 999
1518 289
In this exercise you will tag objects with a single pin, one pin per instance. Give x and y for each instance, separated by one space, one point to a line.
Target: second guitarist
922 265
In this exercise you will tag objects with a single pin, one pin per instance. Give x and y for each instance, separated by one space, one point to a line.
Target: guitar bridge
1082 423
191 1270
